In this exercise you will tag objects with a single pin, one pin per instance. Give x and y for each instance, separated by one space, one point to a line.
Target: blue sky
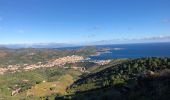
84 21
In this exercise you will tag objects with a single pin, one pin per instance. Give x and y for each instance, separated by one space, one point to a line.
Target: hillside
36 83
66 74
37 73
125 78
146 88
34 55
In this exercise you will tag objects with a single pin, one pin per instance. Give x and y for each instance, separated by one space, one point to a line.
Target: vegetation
31 55
37 83
124 79
121 79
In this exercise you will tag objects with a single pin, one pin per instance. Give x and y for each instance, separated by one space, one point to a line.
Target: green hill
120 81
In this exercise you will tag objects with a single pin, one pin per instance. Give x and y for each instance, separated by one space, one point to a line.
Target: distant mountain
37 45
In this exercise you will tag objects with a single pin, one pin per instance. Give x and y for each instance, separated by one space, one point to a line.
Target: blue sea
135 51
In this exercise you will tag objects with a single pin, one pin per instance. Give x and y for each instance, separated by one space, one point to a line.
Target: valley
38 77
50 74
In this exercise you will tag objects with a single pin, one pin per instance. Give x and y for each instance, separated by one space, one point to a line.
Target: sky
84 21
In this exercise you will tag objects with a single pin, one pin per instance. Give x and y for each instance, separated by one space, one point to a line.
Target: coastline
105 51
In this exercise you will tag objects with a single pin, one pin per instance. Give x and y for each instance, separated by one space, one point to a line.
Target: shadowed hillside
144 78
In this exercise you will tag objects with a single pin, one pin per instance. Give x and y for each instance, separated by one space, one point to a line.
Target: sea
137 50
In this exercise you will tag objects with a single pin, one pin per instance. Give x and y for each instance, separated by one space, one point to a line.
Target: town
60 62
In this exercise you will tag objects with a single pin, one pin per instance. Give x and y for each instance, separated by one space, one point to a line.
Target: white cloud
161 37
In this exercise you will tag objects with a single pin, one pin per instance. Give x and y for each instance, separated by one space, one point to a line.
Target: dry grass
48 88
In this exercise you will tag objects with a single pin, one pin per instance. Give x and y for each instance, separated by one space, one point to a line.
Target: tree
135 65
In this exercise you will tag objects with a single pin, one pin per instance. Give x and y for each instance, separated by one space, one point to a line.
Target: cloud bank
134 40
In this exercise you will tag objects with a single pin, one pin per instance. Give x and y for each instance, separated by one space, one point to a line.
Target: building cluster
10 68
60 62
102 62
3 70
57 62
